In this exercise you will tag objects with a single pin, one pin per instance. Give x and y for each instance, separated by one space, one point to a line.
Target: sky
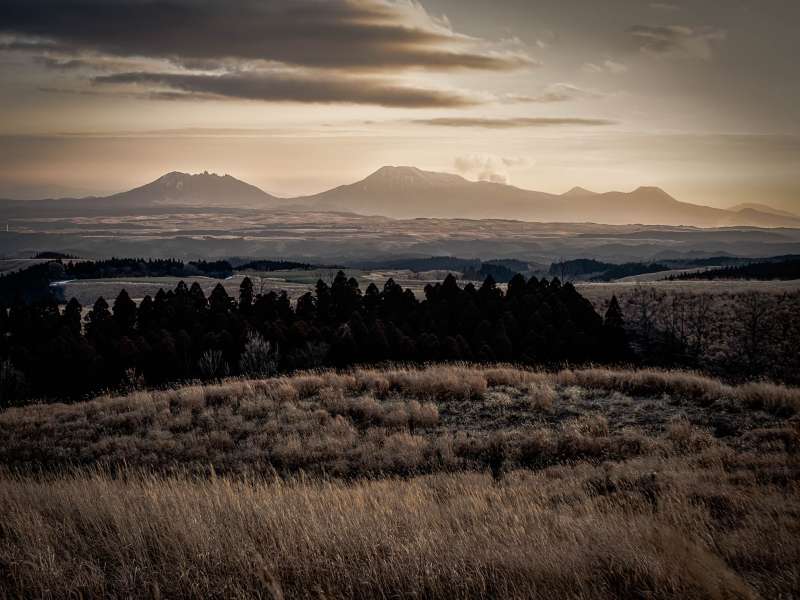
699 97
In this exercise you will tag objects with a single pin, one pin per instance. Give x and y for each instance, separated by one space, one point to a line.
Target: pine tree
613 318
72 317
246 296
124 312
615 341
219 300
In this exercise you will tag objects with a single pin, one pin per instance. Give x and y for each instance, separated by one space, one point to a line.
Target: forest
762 271
596 270
181 335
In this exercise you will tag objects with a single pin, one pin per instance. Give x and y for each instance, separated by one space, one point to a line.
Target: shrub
212 365
767 396
259 358
12 384
540 396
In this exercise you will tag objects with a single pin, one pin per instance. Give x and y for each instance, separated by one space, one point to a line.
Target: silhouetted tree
72 317
246 296
179 334
614 331
125 312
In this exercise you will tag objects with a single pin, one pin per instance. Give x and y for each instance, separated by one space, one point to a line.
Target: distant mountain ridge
409 192
764 208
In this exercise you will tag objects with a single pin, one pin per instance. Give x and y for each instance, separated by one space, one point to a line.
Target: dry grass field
443 482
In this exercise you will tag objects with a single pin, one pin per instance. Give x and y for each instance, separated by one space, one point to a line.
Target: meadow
449 481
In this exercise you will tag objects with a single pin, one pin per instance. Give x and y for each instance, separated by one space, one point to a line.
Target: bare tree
644 303
751 314
699 322
212 364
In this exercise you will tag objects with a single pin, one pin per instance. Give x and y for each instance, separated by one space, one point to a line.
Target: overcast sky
700 97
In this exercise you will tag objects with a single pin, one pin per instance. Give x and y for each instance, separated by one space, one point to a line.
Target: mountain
202 189
407 192
763 208
175 189
578 192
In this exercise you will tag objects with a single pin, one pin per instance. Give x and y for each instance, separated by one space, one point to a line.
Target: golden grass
693 386
402 421
514 483
671 527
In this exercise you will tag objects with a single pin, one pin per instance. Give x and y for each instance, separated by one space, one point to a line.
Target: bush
12 384
259 358
212 365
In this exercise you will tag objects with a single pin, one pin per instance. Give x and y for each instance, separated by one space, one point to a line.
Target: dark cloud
291 87
677 41
510 123
353 34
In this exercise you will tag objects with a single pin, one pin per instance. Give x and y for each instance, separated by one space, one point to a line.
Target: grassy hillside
399 421
443 482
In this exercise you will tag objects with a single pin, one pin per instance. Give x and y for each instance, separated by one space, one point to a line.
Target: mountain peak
391 170
173 176
650 189
403 177
579 191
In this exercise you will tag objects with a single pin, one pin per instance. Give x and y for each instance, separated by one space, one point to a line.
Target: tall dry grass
685 384
515 483
675 527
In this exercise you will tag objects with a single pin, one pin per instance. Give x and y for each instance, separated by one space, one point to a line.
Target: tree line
763 271
181 334
33 283
595 270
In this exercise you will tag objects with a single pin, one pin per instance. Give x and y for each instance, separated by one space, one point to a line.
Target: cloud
329 34
607 66
664 6
677 41
339 51
511 123
556 92
562 92
489 167
290 86
101 64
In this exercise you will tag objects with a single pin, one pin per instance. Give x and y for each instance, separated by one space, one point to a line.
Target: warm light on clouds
678 41
699 97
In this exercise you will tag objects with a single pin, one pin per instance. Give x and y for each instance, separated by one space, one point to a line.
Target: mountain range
409 192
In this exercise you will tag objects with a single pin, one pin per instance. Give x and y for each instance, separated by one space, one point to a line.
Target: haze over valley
394 211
